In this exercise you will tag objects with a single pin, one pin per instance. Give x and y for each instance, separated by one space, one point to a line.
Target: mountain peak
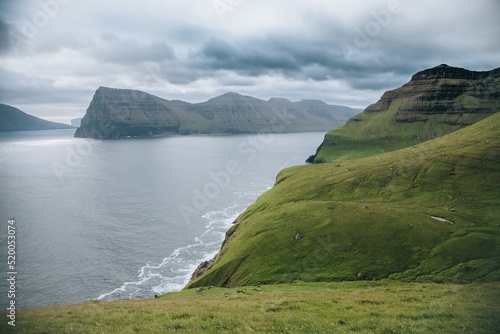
102 89
278 100
312 102
445 71
232 94
228 96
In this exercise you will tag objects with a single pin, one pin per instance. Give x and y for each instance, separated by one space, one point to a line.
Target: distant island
13 119
116 113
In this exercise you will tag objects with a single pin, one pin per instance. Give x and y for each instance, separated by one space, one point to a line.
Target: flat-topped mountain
434 102
115 113
444 71
13 119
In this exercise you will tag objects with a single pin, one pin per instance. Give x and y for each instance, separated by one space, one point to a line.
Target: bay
128 218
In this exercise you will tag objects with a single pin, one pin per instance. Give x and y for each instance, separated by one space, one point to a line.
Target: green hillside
368 134
360 307
375 216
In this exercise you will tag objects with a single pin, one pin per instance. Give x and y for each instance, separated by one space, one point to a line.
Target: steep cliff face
435 102
115 113
452 91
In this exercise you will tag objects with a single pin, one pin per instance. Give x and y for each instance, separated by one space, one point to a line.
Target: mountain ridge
115 113
14 119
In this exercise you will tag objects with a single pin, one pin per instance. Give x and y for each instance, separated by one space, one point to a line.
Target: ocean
126 218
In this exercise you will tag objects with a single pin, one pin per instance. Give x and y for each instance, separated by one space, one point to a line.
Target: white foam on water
175 271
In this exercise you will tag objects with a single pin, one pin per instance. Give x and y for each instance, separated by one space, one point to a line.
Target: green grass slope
369 134
375 216
361 307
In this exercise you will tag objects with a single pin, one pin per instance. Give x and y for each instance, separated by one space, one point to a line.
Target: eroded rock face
115 113
433 103
201 269
455 93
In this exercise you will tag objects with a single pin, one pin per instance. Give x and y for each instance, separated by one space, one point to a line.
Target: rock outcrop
451 91
433 103
202 268
115 113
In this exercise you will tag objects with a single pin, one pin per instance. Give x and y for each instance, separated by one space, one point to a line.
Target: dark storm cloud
326 49
133 52
302 59
5 42
262 56
251 57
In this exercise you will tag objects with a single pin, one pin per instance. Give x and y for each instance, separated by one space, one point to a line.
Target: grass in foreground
360 307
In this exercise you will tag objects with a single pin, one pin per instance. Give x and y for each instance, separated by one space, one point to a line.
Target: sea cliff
433 103
115 113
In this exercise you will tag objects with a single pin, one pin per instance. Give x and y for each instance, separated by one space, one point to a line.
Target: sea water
127 218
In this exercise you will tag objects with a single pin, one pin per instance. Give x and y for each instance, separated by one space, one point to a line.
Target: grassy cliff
425 213
433 103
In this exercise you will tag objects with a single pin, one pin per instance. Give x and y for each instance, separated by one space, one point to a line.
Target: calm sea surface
128 218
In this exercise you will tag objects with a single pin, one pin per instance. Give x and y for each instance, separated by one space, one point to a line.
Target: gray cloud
341 52
133 52
5 44
251 57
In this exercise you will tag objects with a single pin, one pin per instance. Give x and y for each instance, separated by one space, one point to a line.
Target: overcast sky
54 54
